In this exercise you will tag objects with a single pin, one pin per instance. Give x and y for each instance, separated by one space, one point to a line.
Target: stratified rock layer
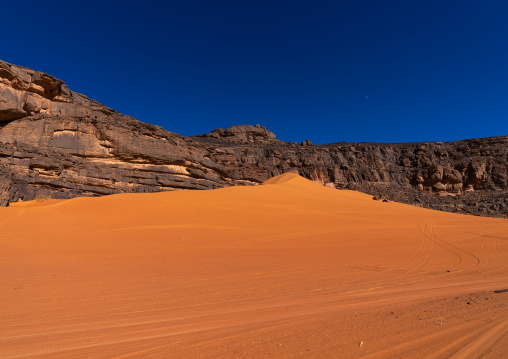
57 143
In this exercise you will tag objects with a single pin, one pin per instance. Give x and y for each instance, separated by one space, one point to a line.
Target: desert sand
288 269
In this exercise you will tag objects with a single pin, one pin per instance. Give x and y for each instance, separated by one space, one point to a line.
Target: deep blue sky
329 71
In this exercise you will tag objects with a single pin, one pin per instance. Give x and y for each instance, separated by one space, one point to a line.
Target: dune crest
282 178
289 179
37 203
286 269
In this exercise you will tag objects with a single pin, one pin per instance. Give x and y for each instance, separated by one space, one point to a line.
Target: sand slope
286 269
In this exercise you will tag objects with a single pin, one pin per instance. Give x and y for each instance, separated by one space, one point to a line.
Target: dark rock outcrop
469 176
243 134
57 143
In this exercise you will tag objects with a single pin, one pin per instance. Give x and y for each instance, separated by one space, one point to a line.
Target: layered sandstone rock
57 143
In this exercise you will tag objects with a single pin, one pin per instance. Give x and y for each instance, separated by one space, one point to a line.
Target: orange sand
285 270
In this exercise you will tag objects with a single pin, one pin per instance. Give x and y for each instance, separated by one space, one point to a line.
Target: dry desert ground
289 269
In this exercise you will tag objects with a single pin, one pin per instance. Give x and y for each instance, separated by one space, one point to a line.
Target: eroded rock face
25 92
467 176
65 157
60 144
54 142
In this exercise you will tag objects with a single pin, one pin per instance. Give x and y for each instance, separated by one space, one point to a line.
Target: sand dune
286 269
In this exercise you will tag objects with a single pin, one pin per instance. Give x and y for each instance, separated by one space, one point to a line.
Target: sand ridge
286 269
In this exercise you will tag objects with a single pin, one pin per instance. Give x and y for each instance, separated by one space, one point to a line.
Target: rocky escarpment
57 143
469 176
60 144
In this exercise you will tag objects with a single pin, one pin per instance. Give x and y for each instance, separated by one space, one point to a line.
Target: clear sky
328 71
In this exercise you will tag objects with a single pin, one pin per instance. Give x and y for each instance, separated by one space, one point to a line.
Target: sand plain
289 269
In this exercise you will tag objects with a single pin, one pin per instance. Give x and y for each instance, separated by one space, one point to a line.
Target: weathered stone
244 133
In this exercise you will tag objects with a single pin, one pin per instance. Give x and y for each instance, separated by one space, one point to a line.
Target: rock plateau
61 144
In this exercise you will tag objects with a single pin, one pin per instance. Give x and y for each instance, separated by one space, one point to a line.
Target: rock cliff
57 143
